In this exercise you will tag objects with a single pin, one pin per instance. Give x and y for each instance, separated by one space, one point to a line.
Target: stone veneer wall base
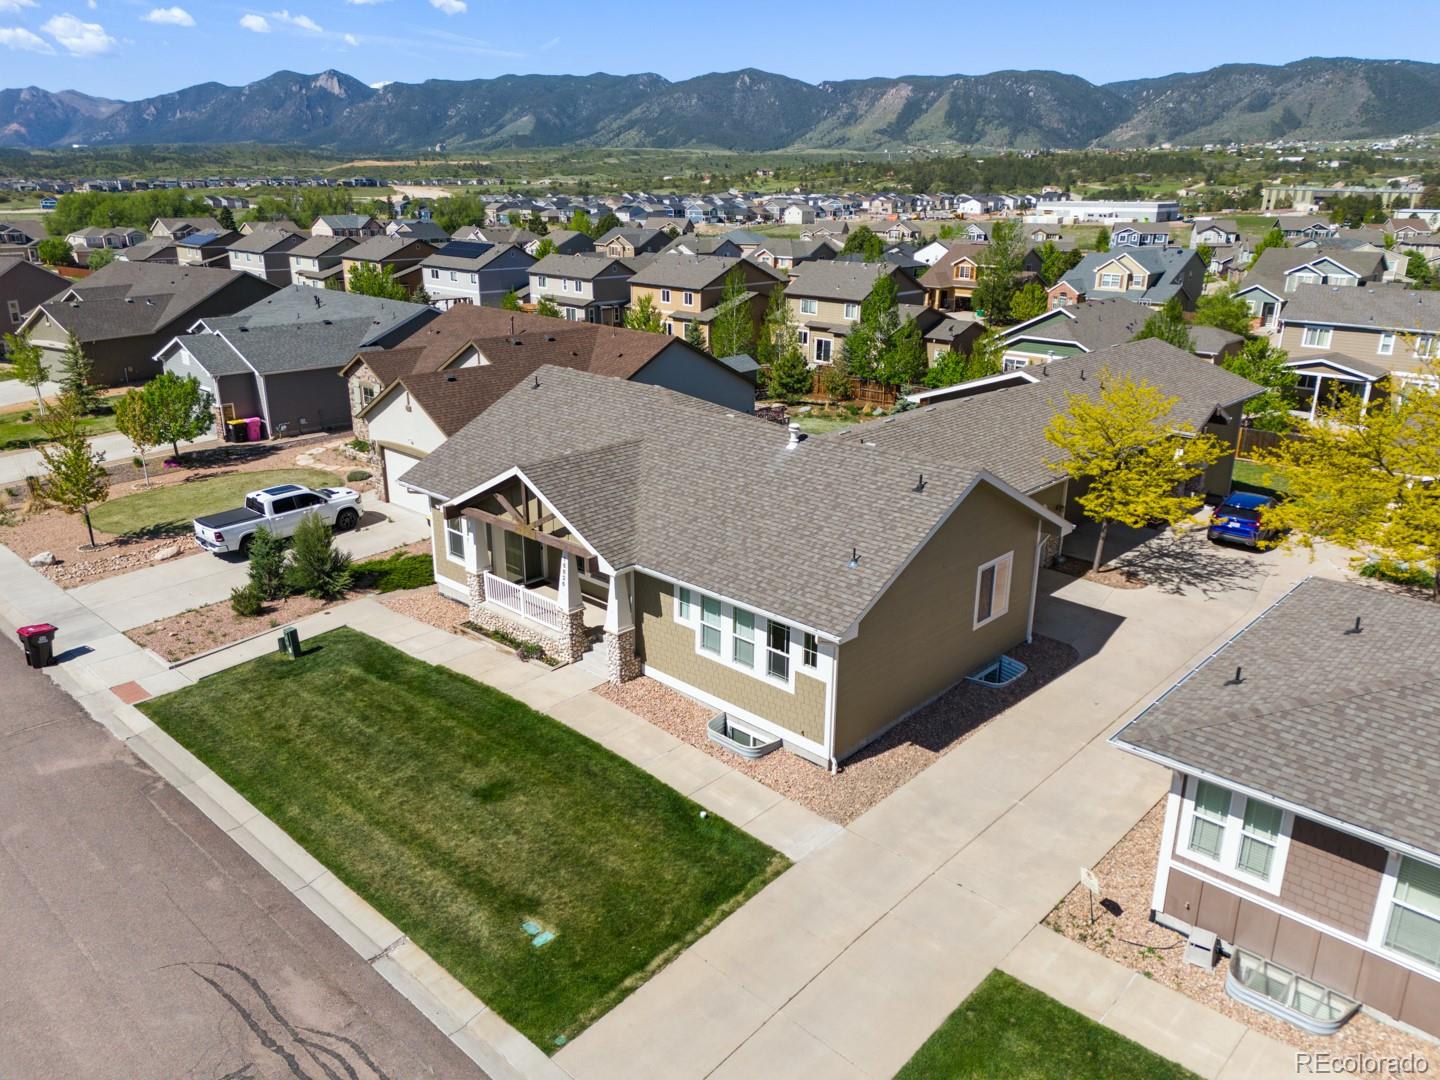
624 664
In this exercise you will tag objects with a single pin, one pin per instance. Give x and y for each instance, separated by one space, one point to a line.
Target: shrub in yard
267 564
398 571
359 445
354 476
1398 574
316 567
245 601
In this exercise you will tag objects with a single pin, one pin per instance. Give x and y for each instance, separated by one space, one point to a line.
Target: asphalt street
139 941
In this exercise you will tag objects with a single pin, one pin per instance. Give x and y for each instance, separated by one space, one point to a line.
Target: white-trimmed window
710 624
688 299
1412 925
1386 346
1209 817
664 296
852 311
743 643
455 539
809 307
684 604
823 347
809 650
1112 282
1317 337
540 281
777 651
1425 347
1235 834
992 589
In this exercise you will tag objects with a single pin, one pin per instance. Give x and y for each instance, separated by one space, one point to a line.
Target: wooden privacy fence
1253 440
862 391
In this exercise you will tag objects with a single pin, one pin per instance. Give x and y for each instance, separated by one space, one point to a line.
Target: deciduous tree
1275 238
179 408
373 279
1001 261
54 251
1132 458
510 301
732 333
1225 311
1029 300
1168 324
864 242
75 479
1263 364
642 315
27 361
134 421
548 308
953 368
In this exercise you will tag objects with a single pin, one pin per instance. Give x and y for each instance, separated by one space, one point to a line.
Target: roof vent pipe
794 435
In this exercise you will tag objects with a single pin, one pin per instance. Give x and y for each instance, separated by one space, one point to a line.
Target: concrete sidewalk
168 588
15 465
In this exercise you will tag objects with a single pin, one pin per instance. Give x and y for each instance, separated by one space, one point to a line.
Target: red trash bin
39 642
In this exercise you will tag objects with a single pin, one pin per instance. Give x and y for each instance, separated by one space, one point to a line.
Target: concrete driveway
169 588
141 941
14 392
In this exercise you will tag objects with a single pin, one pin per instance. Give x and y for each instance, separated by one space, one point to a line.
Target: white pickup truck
278 509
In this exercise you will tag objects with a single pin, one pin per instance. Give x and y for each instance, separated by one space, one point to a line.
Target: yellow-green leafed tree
1134 458
1368 478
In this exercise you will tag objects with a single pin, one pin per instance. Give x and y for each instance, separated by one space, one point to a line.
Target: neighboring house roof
300 328
1211 341
797 250
199 224
515 344
632 469
583 266
129 299
468 255
28 283
214 354
380 248
149 249
677 271
264 240
1095 324
692 244
1342 723
1164 267
837 279
346 221
1370 372
638 238
741 364
941 273
318 246
1225 225
1004 430
428 231
1383 307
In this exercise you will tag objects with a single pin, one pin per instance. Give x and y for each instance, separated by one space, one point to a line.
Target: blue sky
135 48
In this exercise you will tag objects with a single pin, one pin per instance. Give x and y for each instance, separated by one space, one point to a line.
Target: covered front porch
1325 381
530 577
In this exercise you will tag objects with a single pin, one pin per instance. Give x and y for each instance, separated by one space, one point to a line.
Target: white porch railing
525 602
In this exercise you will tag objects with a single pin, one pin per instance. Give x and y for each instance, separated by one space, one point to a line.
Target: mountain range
1339 98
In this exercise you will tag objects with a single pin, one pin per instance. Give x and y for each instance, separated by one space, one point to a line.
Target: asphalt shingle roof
380 248
674 270
583 266
1164 267
1095 324
632 467
837 279
128 299
1269 270
1343 723
1004 430
1389 307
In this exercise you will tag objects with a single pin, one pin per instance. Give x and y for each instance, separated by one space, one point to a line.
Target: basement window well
1265 985
738 739
999 672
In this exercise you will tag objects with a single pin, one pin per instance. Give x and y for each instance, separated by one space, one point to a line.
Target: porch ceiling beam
510 509
527 531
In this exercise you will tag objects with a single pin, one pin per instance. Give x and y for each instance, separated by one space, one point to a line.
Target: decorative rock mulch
879 769
1127 876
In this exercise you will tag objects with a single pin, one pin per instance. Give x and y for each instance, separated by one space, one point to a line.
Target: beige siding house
588 515
825 300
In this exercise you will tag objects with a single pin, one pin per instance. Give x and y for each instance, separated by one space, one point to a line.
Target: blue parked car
1237 520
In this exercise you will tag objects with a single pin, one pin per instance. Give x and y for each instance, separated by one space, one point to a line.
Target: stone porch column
620 630
477 562
576 640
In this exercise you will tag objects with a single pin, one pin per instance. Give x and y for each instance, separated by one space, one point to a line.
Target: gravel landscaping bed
64 536
879 769
204 628
428 606
1127 876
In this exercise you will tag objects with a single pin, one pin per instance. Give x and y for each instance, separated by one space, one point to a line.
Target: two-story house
1146 275
1301 828
316 262
1141 234
1296 227
1214 232
786 254
950 282
265 254
21 237
1275 276
23 285
623 243
402 256
1071 330
587 287
355 226
197 248
688 288
94 238
475 273
825 299
179 227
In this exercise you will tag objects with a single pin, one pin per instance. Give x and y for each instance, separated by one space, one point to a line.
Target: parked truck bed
239 516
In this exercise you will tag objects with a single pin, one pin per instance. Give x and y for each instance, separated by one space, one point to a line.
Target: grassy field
1260 479
1252 225
170 509
461 813
18 434
1007 1029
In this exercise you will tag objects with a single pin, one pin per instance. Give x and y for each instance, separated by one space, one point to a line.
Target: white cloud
79 38
381 85
351 40
171 16
17 37
449 7
258 23
300 22
14 6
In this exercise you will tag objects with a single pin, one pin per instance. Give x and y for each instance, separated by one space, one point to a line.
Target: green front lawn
461 813
1259 479
1006 1028
171 509
402 570
18 434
